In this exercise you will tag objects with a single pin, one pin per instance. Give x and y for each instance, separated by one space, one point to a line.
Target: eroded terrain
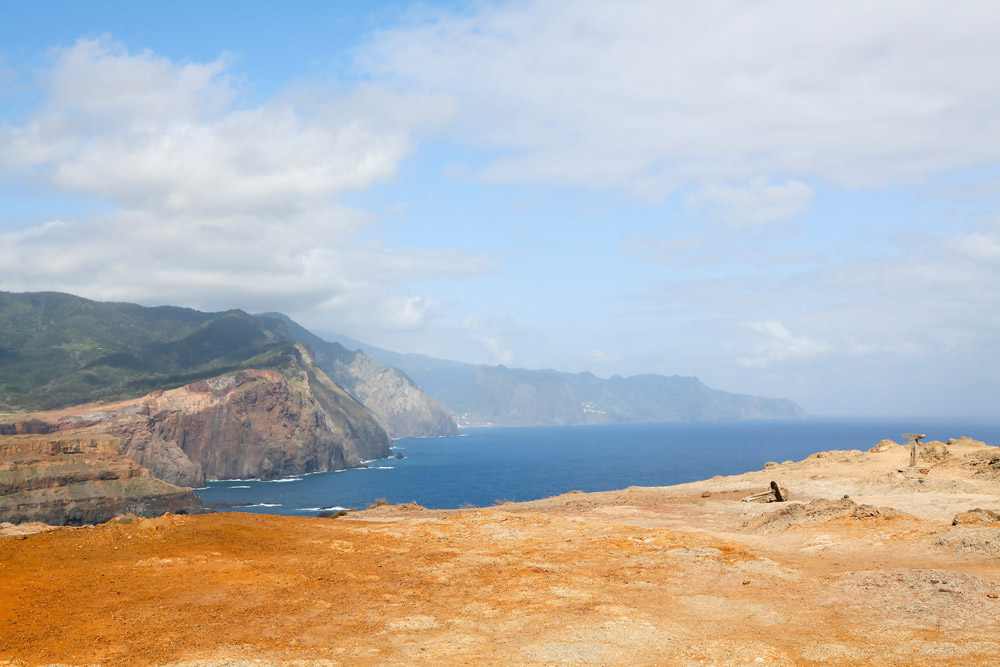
682 575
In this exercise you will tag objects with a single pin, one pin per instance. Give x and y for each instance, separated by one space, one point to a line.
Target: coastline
676 575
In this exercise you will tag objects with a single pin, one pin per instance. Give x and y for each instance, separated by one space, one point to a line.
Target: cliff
75 480
402 408
251 423
58 350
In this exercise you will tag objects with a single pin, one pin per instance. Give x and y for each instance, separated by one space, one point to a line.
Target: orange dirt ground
662 576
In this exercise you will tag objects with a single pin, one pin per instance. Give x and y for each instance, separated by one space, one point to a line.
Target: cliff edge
76 480
249 424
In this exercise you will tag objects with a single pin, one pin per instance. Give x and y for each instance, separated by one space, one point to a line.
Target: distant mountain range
479 395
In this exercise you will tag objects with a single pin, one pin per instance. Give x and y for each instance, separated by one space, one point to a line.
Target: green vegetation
58 350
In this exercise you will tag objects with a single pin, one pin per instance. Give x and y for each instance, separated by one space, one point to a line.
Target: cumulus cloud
214 202
756 204
651 96
780 345
145 132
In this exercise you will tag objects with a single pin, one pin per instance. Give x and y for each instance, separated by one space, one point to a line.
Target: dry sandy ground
683 575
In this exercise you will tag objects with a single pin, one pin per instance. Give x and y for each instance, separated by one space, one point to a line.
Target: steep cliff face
402 408
253 423
75 480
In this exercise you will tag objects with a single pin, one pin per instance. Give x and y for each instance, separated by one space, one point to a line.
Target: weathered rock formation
75 480
248 424
400 406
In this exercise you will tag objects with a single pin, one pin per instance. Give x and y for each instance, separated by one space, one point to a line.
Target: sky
783 198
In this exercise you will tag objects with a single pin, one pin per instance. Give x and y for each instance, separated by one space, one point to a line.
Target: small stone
706 494
746 582
992 596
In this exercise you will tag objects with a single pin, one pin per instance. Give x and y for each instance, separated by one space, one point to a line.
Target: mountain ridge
398 403
481 395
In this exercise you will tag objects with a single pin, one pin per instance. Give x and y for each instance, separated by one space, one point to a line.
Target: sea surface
485 465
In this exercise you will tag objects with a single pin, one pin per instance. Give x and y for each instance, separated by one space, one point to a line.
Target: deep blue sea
484 465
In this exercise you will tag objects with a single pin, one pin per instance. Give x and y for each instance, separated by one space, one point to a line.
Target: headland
868 562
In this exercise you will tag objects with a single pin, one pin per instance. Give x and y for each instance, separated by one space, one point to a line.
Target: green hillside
58 350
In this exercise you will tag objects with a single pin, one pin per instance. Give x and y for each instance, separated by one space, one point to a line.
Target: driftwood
776 494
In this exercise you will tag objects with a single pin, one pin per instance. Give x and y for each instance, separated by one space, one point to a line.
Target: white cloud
216 203
756 204
978 247
781 345
600 358
147 133
489 338
649 95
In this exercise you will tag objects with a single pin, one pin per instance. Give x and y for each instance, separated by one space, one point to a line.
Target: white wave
287 479
336 508
340 470
383 468
241 486
264 505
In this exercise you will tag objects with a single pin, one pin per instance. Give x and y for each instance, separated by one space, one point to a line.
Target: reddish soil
661 576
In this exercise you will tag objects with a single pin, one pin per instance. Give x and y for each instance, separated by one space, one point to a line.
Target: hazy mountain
497 395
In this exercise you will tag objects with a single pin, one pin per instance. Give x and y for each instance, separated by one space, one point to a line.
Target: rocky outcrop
249 424
401 407
76 480
976 516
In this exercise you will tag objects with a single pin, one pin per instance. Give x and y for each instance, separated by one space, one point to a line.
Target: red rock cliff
252 423
73 480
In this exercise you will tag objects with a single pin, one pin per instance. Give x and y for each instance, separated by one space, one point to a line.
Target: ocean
485 465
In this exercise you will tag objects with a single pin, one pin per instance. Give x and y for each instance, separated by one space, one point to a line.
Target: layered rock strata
401 407
76 480
250 424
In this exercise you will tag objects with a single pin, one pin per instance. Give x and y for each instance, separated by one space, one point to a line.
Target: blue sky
782 198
